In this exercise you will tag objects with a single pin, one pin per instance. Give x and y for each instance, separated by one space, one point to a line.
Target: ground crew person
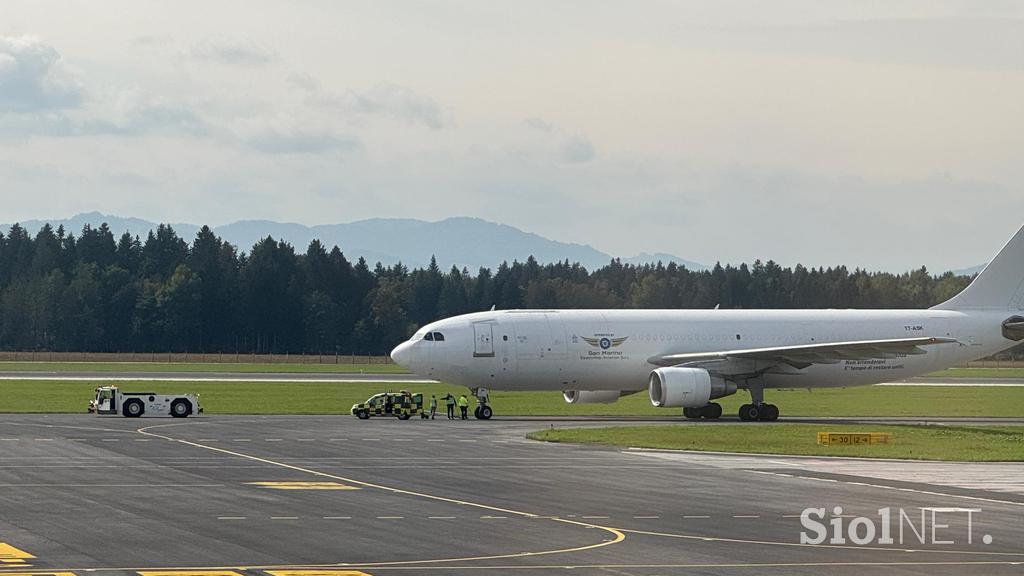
463 406
449 403
433 406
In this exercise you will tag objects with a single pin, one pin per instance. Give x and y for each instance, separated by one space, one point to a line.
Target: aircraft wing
803 355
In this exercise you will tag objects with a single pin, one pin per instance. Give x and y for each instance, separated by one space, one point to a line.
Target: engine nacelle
591 396
686 387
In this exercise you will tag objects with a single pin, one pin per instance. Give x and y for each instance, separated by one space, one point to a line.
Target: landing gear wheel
476 412
749 412
691 413
769 412
483 412
712 411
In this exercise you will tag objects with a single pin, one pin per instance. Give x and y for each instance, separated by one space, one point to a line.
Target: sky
876 134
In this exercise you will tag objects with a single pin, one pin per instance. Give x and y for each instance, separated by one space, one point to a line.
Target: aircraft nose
402 354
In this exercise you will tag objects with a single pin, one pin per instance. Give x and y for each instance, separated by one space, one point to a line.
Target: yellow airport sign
304 485
852 438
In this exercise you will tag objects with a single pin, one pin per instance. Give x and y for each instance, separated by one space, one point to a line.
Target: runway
283 496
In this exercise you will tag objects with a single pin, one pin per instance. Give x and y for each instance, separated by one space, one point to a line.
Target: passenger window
429 336
438 337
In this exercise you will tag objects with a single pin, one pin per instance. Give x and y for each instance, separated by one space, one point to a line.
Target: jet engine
591 396
686 387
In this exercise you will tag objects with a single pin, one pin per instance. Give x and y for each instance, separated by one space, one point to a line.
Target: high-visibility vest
463 402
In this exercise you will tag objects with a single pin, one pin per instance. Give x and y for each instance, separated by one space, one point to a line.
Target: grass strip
954 443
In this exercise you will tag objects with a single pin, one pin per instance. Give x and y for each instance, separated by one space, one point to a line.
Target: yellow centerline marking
316 573
11 555
189 573
40 573
617 535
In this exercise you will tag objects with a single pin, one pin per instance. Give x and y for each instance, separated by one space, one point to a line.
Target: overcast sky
880 134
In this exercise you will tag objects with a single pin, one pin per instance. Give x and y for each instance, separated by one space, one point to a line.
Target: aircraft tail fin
999 286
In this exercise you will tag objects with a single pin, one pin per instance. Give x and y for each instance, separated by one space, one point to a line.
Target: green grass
338 397
979 373
961 443
342 368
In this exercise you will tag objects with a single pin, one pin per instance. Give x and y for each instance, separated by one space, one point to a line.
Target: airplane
687 358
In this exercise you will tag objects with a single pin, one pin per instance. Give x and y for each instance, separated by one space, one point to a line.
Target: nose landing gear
482 411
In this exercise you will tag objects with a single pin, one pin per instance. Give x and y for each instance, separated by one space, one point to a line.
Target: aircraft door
483 344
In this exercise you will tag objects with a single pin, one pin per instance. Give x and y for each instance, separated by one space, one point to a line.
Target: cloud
538 124
272 141
384 100
577 149
232 52
404 103
33 77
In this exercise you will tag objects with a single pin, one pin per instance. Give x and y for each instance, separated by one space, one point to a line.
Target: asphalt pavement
332 495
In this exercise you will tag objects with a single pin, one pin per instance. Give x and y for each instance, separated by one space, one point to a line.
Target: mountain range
460 241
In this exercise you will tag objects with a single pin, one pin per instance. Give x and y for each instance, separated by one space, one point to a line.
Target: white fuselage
609 349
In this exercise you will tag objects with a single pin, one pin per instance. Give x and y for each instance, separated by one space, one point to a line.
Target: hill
460 241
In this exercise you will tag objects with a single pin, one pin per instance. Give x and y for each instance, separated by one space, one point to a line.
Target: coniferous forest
163 293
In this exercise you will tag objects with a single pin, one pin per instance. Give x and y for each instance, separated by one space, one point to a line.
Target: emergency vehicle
402 405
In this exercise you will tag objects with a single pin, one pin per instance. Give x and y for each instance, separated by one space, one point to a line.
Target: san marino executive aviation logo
605 343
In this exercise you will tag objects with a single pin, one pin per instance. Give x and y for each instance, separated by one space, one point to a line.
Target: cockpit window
429 336
438 337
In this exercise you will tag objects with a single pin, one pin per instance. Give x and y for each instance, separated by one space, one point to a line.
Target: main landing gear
711 411
483 410
758 409
763 411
